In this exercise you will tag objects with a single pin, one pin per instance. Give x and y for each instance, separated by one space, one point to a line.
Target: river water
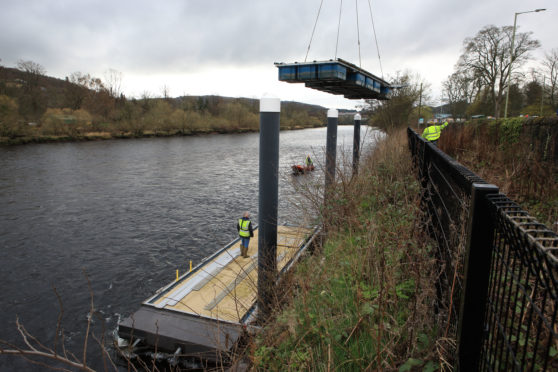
114 220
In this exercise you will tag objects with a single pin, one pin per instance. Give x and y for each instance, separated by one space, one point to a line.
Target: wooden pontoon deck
204 312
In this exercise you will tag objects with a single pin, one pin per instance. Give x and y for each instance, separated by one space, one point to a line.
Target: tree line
86 104
34 105
479 83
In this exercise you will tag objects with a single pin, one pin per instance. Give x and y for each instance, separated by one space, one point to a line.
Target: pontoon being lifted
336 77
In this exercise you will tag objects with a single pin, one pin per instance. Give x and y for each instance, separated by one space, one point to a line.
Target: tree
460 89
551 66
532 91
158 118
165 92
34 71
33 101
515 103
92 94
113 82
78 89
396 112
487 57
2 79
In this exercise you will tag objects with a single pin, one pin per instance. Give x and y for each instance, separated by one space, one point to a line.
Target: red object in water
301 169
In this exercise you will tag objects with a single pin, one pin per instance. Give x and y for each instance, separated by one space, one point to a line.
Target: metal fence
498 283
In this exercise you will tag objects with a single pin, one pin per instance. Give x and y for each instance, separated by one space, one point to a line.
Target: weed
364 302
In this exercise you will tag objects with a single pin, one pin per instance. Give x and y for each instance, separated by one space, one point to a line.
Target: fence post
477 263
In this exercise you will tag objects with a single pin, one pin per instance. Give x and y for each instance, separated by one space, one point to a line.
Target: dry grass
365 302
516 156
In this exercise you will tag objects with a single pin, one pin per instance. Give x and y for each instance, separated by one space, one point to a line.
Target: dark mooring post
268 201
331 149
356 144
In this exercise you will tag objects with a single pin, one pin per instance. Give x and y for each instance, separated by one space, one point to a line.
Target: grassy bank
365 301
37 137
96 136
519 156
147 117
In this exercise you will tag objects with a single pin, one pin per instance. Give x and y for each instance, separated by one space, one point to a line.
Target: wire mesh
520 328
520 320
446 187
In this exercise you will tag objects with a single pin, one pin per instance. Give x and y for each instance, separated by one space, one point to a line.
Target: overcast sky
223 47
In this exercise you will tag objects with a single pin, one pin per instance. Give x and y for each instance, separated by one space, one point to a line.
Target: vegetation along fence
498 282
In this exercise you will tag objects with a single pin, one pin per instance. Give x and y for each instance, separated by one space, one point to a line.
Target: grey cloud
182 36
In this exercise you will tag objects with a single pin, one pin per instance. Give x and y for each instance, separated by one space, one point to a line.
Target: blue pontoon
336 77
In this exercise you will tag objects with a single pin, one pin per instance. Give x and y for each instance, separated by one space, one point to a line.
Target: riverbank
98 136
365 301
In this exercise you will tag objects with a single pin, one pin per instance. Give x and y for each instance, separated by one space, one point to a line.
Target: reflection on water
122 216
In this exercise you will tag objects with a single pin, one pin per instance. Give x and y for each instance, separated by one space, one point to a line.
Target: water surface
114 220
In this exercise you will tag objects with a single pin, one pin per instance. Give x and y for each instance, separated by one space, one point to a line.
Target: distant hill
13 83
12 79
36 107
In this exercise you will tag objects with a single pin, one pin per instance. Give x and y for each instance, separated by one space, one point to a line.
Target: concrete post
268 201
356 144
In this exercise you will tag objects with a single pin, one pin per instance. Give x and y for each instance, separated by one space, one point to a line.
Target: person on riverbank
432 132
245 232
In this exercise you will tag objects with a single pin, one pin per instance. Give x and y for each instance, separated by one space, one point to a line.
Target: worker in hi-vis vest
432 132
245 232
309 161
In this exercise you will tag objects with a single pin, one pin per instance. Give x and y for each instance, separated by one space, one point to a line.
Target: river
114 219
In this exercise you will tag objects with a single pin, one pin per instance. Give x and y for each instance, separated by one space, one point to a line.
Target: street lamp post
511 55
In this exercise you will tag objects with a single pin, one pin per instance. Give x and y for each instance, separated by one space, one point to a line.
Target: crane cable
376 39
358 35
314 29
338 28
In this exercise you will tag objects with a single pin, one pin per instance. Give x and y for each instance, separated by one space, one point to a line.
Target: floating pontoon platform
204 313
336 77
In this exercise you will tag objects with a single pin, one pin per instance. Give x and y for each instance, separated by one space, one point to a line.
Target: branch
36 353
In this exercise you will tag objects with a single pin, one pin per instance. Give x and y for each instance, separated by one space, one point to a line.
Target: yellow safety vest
244 228
432 133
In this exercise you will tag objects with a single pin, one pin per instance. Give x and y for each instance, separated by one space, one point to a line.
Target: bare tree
33 101
551 66
487 57
87 81
396 112
34 72
79 90
113 82
460 89
32 68
165 91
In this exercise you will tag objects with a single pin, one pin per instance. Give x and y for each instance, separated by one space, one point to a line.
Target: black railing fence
498 282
